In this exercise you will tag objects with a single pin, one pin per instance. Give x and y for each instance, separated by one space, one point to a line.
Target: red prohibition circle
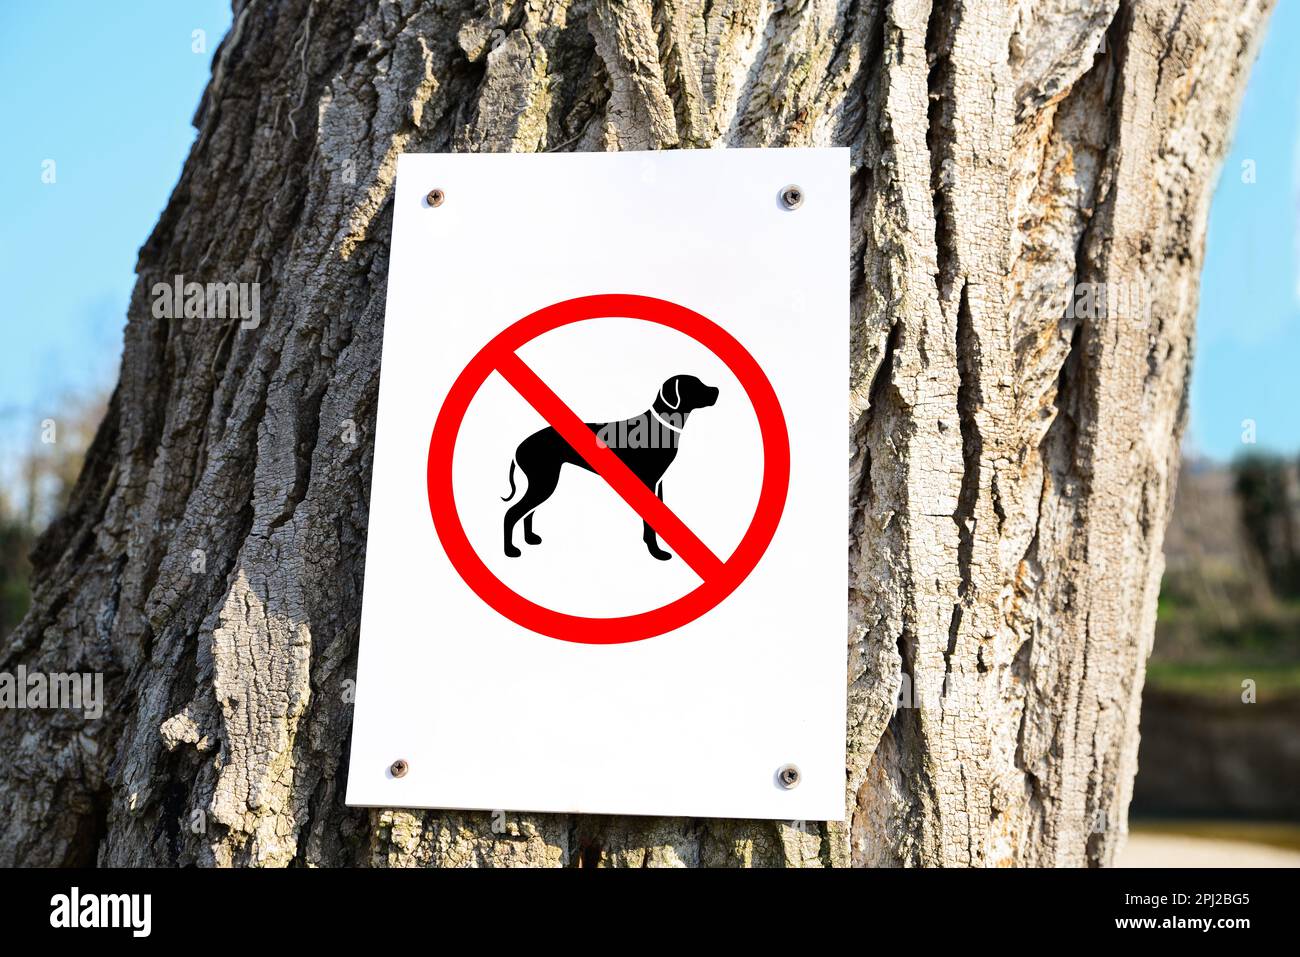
714 589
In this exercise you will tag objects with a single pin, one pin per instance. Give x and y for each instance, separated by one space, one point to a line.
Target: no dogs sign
606 569
632 455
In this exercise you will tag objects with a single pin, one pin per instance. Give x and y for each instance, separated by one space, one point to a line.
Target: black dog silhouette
646 443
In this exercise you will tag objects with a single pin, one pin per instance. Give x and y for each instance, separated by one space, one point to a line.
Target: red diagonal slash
609 466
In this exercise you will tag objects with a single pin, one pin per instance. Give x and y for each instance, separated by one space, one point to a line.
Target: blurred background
1219 765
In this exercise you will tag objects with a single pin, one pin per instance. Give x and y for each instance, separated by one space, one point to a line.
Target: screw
792 197
435 197
399 768
789 776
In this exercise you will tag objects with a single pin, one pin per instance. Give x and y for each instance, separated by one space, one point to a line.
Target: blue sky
107 91
1248 328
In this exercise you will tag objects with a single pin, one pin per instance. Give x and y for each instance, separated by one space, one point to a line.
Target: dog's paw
532 539
512 552
660 554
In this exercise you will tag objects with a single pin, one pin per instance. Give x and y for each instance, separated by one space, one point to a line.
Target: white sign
606 568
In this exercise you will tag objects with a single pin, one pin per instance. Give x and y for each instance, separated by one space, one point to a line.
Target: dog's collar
664 423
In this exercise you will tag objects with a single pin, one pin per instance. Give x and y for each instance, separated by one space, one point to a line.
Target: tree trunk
1015 450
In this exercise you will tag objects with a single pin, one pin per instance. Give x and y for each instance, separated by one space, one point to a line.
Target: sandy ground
1176 850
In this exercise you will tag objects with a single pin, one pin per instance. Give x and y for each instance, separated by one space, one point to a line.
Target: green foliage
1222 680
1224 616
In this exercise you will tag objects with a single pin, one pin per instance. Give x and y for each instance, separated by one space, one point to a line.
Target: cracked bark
1013 466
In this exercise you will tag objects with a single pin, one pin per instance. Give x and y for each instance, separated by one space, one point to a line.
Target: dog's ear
677 394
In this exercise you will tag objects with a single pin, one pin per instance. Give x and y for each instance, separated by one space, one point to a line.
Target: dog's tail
512 482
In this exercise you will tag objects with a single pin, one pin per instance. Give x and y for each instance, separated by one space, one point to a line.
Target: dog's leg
511 551
540 487
648 533
531 537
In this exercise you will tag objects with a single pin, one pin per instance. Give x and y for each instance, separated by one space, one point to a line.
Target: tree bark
1013 465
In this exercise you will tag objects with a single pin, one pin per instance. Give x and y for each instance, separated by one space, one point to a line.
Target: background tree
1268 490
41 476
1014 455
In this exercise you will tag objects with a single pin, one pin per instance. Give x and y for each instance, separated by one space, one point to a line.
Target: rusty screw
789 776
399 768
792 197
435 197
